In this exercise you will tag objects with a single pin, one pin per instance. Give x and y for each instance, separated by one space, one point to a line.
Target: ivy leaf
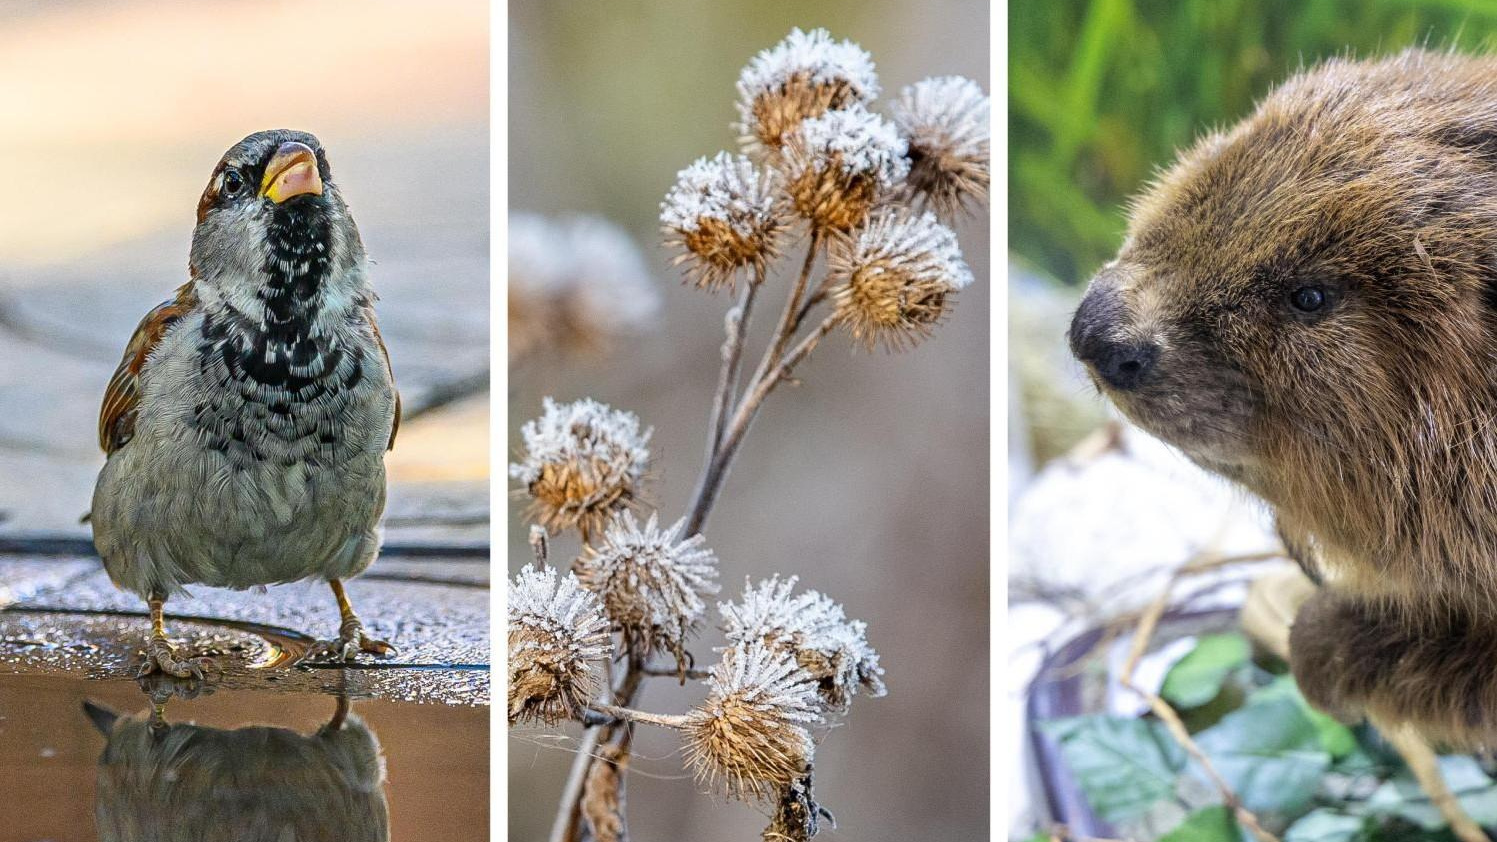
1325 825
1209 824
1198 677
1270 753
1404 798
1337 739
1123 765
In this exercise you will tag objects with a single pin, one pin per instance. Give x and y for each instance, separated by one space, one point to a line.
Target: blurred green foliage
1102 93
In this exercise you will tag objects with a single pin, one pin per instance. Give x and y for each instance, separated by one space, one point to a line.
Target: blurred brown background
870 481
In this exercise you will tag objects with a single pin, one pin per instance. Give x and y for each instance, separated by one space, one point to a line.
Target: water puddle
114 760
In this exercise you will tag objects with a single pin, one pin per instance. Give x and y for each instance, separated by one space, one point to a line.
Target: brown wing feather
380 340
122 395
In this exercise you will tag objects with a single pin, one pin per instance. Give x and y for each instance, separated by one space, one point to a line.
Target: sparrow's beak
292 172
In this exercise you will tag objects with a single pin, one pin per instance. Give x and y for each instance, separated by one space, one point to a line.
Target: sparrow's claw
160 657
350 642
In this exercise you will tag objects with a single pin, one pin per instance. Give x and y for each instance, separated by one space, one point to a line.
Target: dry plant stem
1146 626
717 470
1421 760
736 323
788 319
565 827
624 714
673 672
822 291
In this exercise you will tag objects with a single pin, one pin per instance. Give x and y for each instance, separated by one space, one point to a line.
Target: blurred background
1102 93
870 480
113 114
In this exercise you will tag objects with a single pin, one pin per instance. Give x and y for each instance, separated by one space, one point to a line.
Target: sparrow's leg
351 638
159 656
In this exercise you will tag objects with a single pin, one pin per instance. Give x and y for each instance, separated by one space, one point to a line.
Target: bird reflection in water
164 782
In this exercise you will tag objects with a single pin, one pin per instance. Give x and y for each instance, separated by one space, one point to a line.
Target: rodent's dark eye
233 182
1308 299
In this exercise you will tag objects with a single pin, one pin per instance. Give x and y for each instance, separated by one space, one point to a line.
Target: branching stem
726 429
624 714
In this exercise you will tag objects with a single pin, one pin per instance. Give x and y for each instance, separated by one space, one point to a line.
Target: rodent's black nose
1123 365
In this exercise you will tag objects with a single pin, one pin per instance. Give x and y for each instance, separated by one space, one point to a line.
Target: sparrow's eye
1308 299
233 182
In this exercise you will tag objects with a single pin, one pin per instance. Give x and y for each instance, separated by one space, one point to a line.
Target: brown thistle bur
583 462
723 213
750 734
804 76
840 165
556 631
945 121
820 163
895 280
652 583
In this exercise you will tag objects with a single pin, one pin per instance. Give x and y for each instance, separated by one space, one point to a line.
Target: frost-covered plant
945 123
583 462
814 631
576 284
652 583
817 164
556 631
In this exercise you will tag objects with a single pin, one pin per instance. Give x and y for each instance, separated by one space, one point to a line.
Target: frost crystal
751 730
946 121
840 165
555 629
813 56
723 213
895 280
812 629
858 141
575 283
917 245
803 76
651 582
582 462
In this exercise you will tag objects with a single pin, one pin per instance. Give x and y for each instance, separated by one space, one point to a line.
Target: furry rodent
1306 303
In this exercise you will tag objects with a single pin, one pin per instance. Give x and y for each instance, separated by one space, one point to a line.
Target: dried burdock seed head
575 284
895 280
652 583
750 733
840 165
814 631
556 630
583 462
945 122
724 216
803 76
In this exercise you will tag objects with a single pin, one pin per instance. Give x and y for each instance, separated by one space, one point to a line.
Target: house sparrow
160 781
245 429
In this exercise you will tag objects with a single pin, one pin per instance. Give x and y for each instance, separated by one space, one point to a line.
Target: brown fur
1370 428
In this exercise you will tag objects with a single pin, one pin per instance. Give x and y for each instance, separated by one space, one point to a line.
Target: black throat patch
280 381
275 347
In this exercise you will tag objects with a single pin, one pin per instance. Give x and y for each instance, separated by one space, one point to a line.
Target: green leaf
1336 739
1270 753
1123 765
1325 825
1402 797
1211 824
1196 678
